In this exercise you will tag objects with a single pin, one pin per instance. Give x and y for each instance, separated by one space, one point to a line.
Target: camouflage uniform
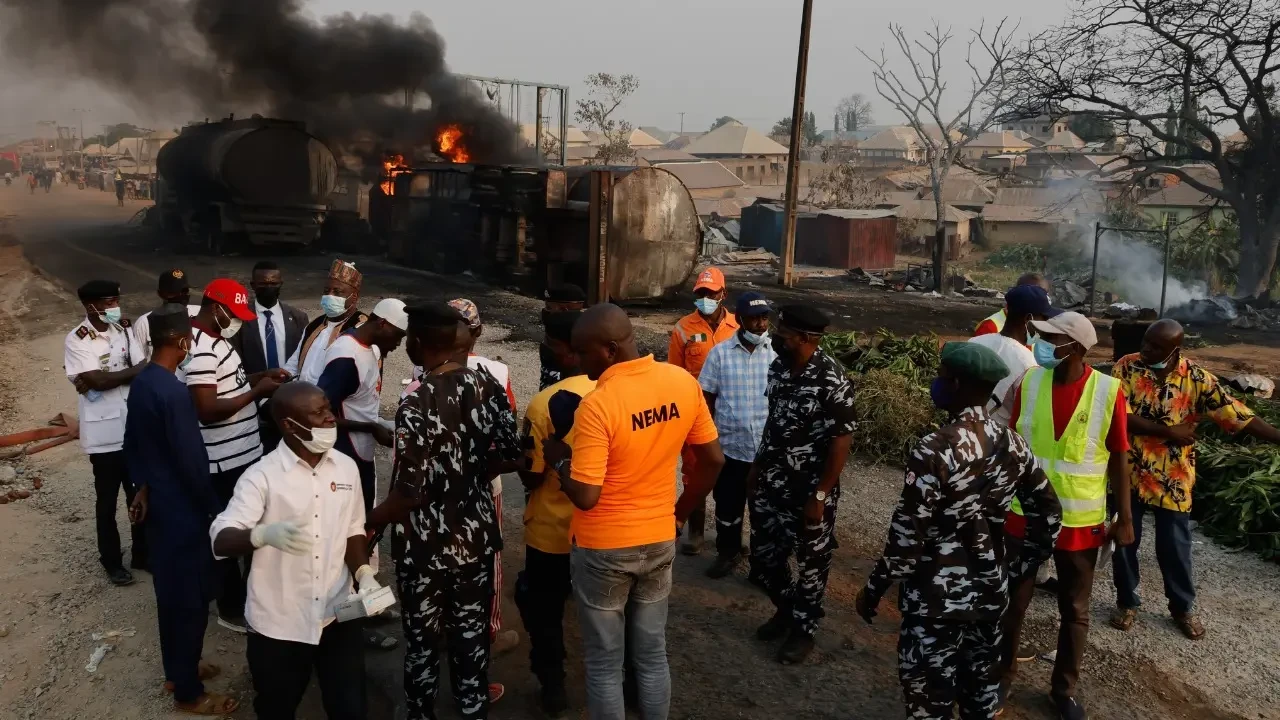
446 432
806 412
548 373
946 547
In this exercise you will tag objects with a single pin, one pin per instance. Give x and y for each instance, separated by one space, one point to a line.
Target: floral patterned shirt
1163 473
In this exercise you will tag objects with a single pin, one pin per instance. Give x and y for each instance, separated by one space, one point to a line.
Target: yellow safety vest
1077 463
997 318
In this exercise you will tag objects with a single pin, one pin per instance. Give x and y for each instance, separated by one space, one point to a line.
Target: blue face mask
1045 353
753 338
333 305
1163 364
110 316
186 359
940 392
707 306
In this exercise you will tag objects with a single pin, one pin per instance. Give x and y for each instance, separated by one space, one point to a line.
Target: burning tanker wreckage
344 90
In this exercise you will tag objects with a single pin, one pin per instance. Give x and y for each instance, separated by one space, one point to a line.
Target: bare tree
605 94
1219 62
550 146
920 96
844 186
854 111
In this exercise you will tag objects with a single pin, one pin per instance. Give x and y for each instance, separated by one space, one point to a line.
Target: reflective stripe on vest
1076 464
996 319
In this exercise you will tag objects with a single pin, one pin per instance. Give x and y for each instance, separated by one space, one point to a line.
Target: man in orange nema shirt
691 341
620 476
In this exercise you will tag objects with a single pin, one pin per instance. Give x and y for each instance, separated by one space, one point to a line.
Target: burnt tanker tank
257 180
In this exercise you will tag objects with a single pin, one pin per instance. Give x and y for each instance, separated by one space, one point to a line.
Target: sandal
207 671
209 704
1124 618
1190 626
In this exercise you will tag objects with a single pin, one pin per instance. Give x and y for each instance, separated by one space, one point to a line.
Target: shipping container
848 239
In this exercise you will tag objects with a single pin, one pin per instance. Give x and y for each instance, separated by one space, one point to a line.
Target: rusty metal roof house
733 139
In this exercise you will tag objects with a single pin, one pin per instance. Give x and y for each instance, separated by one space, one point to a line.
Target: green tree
1091 128
605 94
810 134
722 120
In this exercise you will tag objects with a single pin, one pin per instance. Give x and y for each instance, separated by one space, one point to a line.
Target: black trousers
368 481
542 589
731 504
181 643
110 473
446 608
282 670
231 575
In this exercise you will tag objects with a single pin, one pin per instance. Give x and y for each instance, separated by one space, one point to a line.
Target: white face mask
322 439
233 327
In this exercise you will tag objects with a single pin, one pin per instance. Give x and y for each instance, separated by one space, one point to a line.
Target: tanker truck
231 183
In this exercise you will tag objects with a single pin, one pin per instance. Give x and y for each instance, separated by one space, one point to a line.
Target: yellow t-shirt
547 510
627 438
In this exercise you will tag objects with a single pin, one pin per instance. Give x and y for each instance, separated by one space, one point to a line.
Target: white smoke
1132 268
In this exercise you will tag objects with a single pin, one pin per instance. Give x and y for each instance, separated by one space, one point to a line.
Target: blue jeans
1173 553
622 596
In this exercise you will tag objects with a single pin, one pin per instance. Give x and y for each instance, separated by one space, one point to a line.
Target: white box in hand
360 606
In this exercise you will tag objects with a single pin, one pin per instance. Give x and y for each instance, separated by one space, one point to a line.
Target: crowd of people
244 434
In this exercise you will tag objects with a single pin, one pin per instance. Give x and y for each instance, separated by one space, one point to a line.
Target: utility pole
785 271
681 123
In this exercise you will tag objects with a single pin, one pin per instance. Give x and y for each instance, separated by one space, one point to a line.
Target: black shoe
722 567
795 649
1050 586
142 565
1069 708
555 701
777 626
120 577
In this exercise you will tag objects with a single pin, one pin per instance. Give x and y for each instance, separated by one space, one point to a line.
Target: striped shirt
233 442
738 378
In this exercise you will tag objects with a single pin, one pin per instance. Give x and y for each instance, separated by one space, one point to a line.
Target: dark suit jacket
248 342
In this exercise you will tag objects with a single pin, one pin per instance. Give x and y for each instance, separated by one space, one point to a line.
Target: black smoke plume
345 75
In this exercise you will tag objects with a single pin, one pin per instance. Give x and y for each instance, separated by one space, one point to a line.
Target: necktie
273 356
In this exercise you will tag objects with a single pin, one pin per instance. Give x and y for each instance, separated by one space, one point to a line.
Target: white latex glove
367 579
284 536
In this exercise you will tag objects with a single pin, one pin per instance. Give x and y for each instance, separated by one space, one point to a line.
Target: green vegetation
1237 491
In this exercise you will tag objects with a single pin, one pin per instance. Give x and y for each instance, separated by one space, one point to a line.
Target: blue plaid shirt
738 378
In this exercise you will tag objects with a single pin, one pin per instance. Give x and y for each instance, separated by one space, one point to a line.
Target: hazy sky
705 58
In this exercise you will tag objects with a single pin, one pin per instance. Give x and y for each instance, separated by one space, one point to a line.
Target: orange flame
449 142
392 166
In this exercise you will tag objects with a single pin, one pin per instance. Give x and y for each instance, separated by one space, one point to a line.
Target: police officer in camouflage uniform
946 543
795 480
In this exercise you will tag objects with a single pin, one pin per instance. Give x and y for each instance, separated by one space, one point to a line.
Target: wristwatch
562 468
820 496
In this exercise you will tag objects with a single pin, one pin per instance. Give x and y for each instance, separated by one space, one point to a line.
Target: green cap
974 361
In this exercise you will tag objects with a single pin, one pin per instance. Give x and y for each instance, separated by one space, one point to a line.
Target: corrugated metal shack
829 238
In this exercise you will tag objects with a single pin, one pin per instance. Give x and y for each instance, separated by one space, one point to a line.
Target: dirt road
53 595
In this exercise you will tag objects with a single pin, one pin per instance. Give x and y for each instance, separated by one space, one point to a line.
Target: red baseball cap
231 294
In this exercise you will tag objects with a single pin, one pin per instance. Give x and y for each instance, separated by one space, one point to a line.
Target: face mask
232 327
940 392
779 346
111 316
267 297
707 306
1163 364
322 439
186 359
1045 354
333 305
753 338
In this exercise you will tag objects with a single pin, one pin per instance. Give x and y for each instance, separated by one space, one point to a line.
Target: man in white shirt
226 399
101 359
299 512
340 314
1025 303
172 287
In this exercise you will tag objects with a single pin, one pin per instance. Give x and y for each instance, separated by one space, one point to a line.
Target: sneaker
120 577
692 544
722 567
795 649
1026 653
496 691
775 628
504 641
234 624
1069 708
555 701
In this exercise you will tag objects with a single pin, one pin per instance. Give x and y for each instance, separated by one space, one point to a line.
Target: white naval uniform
86 349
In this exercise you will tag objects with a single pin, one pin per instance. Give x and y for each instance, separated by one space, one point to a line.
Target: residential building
1043 126
705 179
917 222
994 143
745 151
1182 208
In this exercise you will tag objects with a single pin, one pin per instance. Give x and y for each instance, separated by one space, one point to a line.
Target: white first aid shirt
294 597
85 350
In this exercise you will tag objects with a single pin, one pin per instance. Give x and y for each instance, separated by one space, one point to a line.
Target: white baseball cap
1072 324
392 310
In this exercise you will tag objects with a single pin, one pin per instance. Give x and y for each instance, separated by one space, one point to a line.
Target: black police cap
170 320
173 281
98 290
804 318
433 315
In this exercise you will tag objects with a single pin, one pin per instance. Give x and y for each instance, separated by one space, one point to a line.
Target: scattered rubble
750 256
1252 384
1213 311
95 658
1067 294
1122 310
